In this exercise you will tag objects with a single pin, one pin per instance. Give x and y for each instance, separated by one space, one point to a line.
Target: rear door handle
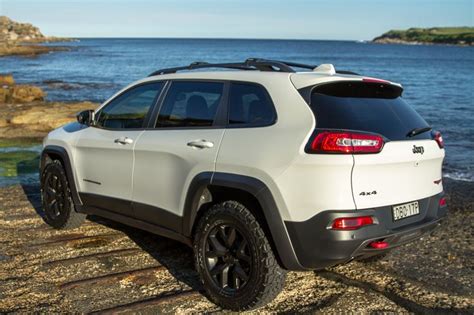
124 140
201 144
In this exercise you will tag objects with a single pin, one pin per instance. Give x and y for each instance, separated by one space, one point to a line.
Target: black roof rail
298 65
200 65
249 64
268 65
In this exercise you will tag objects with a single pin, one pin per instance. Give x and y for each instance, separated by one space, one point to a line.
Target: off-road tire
66 216
266 277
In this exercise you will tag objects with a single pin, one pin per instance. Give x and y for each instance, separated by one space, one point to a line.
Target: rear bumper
316 246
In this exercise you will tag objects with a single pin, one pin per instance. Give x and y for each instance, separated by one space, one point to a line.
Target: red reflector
373 80
346 142
439 139
379 245
442 202
351 223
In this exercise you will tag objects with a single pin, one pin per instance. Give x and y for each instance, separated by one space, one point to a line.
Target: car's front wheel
235 260
56 198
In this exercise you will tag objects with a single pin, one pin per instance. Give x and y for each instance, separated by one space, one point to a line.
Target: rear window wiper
417 131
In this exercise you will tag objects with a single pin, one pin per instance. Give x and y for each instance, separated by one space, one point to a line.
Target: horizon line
221 38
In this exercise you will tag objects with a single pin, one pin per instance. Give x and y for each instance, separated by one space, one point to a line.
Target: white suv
260 169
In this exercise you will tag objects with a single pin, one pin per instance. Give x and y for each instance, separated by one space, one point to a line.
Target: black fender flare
55 150
261 192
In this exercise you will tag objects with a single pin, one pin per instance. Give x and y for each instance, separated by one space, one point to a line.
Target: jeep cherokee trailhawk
259 168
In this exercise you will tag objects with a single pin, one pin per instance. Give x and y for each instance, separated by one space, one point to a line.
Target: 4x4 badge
419 149
368 193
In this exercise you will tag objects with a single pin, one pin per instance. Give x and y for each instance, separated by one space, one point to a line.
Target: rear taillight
439 139
345 142
353 223
442 202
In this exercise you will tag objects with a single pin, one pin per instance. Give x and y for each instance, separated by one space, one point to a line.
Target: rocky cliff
11 31
17 39
16 32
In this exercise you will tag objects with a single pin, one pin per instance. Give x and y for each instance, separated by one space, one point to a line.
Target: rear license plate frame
406 210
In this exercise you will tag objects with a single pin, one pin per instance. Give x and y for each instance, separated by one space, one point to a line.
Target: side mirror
86 117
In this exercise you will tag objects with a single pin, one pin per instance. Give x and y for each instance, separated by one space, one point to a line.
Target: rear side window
190 104
373 107
250 104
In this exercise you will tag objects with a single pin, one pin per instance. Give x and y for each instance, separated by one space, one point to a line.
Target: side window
189 104
129 109
250 104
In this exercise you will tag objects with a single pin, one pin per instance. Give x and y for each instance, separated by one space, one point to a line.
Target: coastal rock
24 113
38 118
19 94
14 35
48 116
14 31
4 94
28 50
27 94
6 79
462 36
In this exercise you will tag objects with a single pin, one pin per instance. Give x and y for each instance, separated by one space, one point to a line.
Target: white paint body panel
302 184
165 165
62 138
397 174
98 158
315 183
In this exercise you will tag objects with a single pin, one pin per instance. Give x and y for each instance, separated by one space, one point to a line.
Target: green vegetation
435 35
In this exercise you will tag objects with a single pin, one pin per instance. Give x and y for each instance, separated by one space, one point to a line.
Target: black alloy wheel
234 258
228 258
58 207
54 195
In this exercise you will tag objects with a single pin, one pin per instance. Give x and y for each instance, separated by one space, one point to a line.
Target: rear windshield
372 107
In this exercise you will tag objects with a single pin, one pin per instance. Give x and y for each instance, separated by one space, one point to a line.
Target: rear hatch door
408 168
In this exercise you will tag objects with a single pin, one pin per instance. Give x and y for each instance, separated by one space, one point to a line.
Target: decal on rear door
368 193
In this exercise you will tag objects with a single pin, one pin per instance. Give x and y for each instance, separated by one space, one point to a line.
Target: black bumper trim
395 239
318 247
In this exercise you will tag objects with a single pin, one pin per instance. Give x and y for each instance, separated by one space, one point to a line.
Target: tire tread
274 276
74 219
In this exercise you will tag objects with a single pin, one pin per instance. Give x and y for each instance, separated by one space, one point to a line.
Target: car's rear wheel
235 260
58 207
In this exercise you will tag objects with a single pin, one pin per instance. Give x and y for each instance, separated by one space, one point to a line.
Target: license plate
406 210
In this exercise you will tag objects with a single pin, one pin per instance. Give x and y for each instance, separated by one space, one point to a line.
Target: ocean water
438 80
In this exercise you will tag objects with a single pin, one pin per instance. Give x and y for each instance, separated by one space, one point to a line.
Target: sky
287 19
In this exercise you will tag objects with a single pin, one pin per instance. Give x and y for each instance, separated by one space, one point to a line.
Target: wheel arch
54 152
209 188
